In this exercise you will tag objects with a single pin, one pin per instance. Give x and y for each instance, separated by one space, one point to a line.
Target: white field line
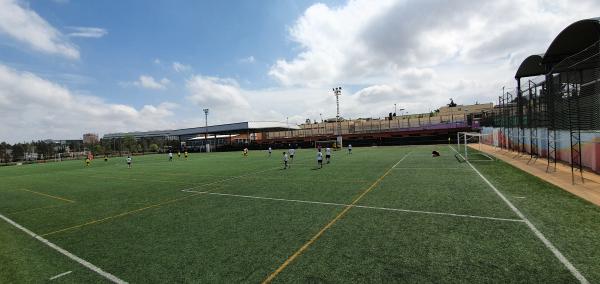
533 228
417 168
60 275
357 206
488 156
79 260
228 179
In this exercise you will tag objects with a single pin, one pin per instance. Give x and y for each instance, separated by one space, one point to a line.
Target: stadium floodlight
396 109
206 129
338 92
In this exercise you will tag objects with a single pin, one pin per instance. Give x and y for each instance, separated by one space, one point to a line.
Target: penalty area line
231 178
533 228
64 252
48 195
356 206
102 220
339 216
60 275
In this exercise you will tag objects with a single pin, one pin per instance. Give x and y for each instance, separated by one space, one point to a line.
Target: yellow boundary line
47 195
137 179
339 216
153 205
119 215
37 208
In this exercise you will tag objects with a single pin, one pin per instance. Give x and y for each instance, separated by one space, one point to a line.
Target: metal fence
566 99
374 126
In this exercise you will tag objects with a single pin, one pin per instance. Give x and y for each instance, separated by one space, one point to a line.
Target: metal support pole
466 153
206 145
338 92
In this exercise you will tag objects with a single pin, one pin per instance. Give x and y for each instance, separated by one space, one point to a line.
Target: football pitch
382 214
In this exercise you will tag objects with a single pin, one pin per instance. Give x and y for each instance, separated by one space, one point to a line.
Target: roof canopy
573 39
232 128
531 66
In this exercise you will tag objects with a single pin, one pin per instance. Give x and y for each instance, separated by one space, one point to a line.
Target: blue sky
68 67
212 37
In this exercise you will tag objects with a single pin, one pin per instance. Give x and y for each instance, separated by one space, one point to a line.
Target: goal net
327 143
464 139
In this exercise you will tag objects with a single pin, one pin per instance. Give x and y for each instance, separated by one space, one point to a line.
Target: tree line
48 149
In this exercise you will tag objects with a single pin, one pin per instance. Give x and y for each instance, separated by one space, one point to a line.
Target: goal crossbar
466 137
332 143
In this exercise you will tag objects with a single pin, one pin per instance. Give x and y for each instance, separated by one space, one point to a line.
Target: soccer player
129 162
320 159
292 151
170 157
285 160
435 154
349 149
87 162
178 154
270 151
185 154
245 152
105 158
328 154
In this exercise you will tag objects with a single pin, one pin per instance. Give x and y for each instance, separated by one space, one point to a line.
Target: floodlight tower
206 129
337 92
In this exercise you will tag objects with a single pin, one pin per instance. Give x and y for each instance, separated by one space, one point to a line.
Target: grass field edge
574 271
64 252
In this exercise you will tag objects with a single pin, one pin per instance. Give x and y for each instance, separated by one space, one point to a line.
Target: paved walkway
588 189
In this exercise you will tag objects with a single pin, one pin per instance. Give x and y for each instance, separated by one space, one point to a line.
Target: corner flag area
382 214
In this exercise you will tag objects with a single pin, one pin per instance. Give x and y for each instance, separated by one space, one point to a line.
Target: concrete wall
590 144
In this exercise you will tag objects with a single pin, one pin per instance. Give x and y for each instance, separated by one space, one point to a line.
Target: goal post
326 143
467 138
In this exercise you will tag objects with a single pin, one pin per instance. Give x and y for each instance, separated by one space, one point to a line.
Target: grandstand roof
232 128
531 66
573 39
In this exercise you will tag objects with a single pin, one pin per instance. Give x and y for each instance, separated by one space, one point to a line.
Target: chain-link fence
564 102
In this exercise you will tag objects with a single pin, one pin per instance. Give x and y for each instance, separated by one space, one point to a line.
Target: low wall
590 144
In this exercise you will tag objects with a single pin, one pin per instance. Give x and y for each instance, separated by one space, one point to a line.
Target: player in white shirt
270 151
320 159
129 162
292 151
285 160
328 154
349 149
170 156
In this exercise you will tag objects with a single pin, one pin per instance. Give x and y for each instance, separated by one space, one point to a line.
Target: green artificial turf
156 222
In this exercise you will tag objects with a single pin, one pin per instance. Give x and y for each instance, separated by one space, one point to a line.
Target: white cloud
416 54
249 59
216 93
35 108
180 67
87 32
228 102
156 61
383 45
148 82
26 26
